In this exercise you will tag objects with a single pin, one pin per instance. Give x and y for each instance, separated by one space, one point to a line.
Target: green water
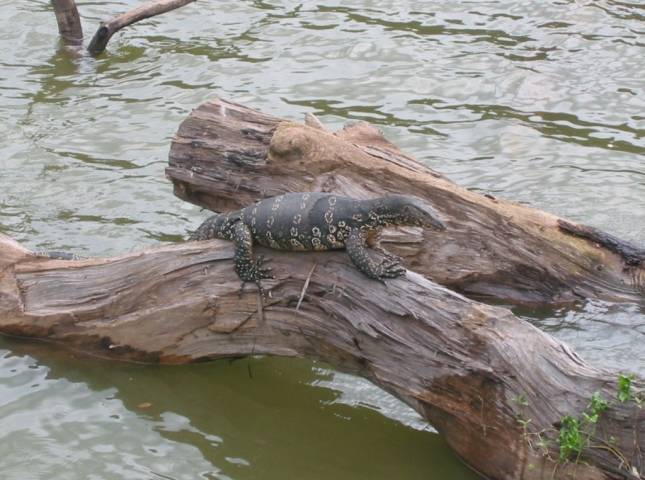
538 101
269 418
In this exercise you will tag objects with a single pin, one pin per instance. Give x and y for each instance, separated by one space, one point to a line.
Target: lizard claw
256 274
261 290
390 256
262 271
391 268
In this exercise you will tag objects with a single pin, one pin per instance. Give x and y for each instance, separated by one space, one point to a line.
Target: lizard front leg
356 247
247 267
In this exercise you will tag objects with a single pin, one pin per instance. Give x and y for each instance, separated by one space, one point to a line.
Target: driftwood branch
461 364
70 29
227 155
110 27
69 21
632 255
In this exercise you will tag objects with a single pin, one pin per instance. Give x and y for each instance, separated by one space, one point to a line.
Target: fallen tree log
225 156
493 385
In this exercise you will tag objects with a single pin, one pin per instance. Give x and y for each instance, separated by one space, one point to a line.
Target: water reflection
218 420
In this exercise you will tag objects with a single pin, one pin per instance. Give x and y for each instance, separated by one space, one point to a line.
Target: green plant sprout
625 387
576 434
570 438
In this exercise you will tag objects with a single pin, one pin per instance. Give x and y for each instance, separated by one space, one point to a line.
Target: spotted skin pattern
317 222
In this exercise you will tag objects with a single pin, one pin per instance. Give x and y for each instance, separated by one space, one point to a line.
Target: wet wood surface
69 21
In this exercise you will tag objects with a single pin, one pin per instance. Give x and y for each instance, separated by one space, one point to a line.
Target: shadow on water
373 114
498 37
250 412
55 76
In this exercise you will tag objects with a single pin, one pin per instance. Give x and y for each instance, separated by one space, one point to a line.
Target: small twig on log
304 287
69 21
260 310
114 24
312 121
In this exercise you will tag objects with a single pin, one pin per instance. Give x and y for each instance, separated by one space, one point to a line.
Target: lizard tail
211 228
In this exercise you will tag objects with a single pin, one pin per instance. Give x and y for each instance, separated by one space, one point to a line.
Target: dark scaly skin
317 222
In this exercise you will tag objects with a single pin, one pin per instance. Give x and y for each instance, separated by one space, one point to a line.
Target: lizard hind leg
389 267
248 267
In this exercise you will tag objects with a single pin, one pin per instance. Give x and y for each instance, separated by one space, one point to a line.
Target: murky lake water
538 101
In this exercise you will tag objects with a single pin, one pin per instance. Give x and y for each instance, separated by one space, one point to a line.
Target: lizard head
408 210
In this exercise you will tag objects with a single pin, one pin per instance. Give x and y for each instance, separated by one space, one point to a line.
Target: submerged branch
110 27
69 21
